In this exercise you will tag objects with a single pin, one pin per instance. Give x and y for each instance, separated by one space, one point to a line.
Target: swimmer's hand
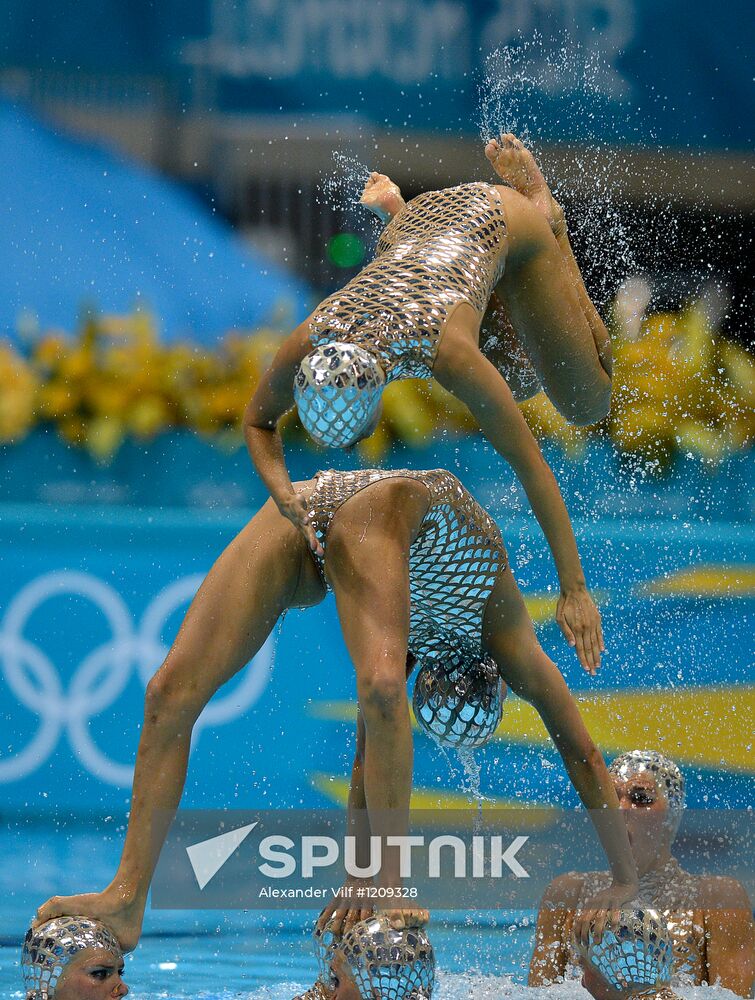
602 912
516 165
401 920
579 620
122 914
296 508
343 911
382 196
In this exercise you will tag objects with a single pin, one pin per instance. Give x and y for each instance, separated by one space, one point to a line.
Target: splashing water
516 94
342 188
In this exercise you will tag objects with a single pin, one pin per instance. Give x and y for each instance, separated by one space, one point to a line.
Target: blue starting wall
91 598
611 70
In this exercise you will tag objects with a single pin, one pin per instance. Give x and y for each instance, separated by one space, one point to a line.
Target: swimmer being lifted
416 310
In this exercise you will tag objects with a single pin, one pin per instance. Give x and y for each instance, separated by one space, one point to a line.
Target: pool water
223 954
254 955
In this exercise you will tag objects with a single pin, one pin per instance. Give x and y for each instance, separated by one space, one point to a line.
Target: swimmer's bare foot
123 917
382 196
516 165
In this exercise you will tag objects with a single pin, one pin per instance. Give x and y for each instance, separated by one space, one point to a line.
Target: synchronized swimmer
477 287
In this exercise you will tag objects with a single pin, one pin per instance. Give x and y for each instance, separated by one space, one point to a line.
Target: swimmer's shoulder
721 892
565 891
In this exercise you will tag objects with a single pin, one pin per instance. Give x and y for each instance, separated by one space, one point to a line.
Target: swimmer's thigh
250 585
368 566
540 298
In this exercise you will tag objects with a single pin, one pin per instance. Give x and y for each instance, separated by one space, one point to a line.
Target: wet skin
722 905
93 974
267 569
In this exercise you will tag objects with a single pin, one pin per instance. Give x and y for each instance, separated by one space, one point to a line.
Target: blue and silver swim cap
663 771
48 950
337 390
388 964
638 953
459 704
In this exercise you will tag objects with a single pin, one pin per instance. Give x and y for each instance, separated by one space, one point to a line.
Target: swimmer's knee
382 694
588 408
169 696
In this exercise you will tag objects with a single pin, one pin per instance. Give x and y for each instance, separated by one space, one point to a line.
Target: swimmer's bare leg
516 165
368 566
345 911
501 345
252 583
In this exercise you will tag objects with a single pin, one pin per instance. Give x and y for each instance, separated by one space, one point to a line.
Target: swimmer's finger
401 919
584 926
599 925
591 651
325 915
581 636
564 626
353 917
312 540
596 650
338 920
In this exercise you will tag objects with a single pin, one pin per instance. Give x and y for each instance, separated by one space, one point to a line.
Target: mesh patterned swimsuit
454 561
672 892
443 248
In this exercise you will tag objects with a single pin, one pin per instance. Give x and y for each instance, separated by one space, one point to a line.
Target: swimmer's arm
550 957
272 399
729 935
462 369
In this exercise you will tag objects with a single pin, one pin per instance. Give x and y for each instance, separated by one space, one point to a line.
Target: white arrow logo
208 856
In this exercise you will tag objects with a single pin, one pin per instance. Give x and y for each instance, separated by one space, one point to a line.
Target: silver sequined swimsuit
444 247
672 891
454 561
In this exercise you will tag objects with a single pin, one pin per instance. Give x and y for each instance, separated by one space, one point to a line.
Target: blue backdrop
673 74
82 228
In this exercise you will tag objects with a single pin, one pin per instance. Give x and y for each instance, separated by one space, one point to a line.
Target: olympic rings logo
103 674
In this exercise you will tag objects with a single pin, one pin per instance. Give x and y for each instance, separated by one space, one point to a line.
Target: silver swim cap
388 964
638 953
49 949
326 944
337 390
664 773
459 705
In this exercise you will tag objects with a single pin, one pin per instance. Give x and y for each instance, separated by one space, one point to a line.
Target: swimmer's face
93 974
344 987
645 811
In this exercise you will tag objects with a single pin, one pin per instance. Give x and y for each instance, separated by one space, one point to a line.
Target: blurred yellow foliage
676 387
18 395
